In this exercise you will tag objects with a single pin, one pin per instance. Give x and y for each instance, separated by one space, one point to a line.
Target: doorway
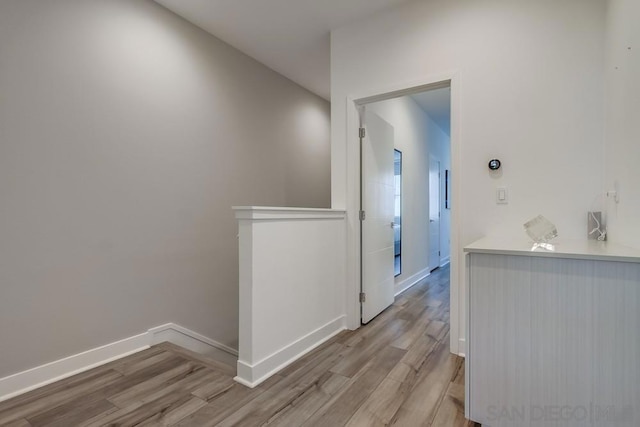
417 150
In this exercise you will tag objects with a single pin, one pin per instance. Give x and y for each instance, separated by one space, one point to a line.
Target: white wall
126 135
416 135
530 90
622 147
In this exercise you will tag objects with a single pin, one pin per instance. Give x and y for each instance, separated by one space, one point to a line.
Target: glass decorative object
541 230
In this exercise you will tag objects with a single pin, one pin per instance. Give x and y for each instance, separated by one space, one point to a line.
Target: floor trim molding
402 286
193 341
25 381
252 375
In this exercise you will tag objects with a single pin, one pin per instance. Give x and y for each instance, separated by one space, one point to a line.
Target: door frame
353 260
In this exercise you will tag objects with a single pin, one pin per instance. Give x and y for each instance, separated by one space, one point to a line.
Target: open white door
377 225
434 213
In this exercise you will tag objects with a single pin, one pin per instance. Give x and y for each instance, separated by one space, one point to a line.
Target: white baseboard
252 375
444 261
410 281
39 376
193 341
33 378
462 347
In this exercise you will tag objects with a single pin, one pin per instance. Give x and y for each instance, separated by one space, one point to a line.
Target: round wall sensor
494 164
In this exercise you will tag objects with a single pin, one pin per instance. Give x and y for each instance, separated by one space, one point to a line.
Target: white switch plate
502 196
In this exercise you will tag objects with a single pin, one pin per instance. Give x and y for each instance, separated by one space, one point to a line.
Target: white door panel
434 213
378 203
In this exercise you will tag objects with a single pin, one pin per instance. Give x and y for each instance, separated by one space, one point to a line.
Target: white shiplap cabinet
553 337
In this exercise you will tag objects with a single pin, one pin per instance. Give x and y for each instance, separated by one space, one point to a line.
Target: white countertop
574 249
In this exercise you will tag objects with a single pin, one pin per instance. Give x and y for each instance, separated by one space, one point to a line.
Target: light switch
502 197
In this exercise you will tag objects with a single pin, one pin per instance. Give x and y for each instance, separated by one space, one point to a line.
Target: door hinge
438 253
363 297
361 133
363 215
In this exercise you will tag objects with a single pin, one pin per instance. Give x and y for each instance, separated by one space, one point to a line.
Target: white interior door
434 213
377 225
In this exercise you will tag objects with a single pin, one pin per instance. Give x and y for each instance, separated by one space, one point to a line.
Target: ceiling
437 104
288 36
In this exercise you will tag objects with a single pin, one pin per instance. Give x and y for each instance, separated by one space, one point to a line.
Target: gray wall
126 135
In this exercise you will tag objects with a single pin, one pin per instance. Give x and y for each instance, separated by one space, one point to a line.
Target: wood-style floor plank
310 402
381 405
397 370
128 396
424 400
75 410
451 410
18 423
285 391
345 403
36 402
222 405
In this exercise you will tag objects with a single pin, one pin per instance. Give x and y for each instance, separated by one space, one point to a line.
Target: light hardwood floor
397 370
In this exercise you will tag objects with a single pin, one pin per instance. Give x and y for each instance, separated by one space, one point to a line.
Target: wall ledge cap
277 213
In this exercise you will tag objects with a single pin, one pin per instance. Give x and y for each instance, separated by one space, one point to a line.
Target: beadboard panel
553 342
